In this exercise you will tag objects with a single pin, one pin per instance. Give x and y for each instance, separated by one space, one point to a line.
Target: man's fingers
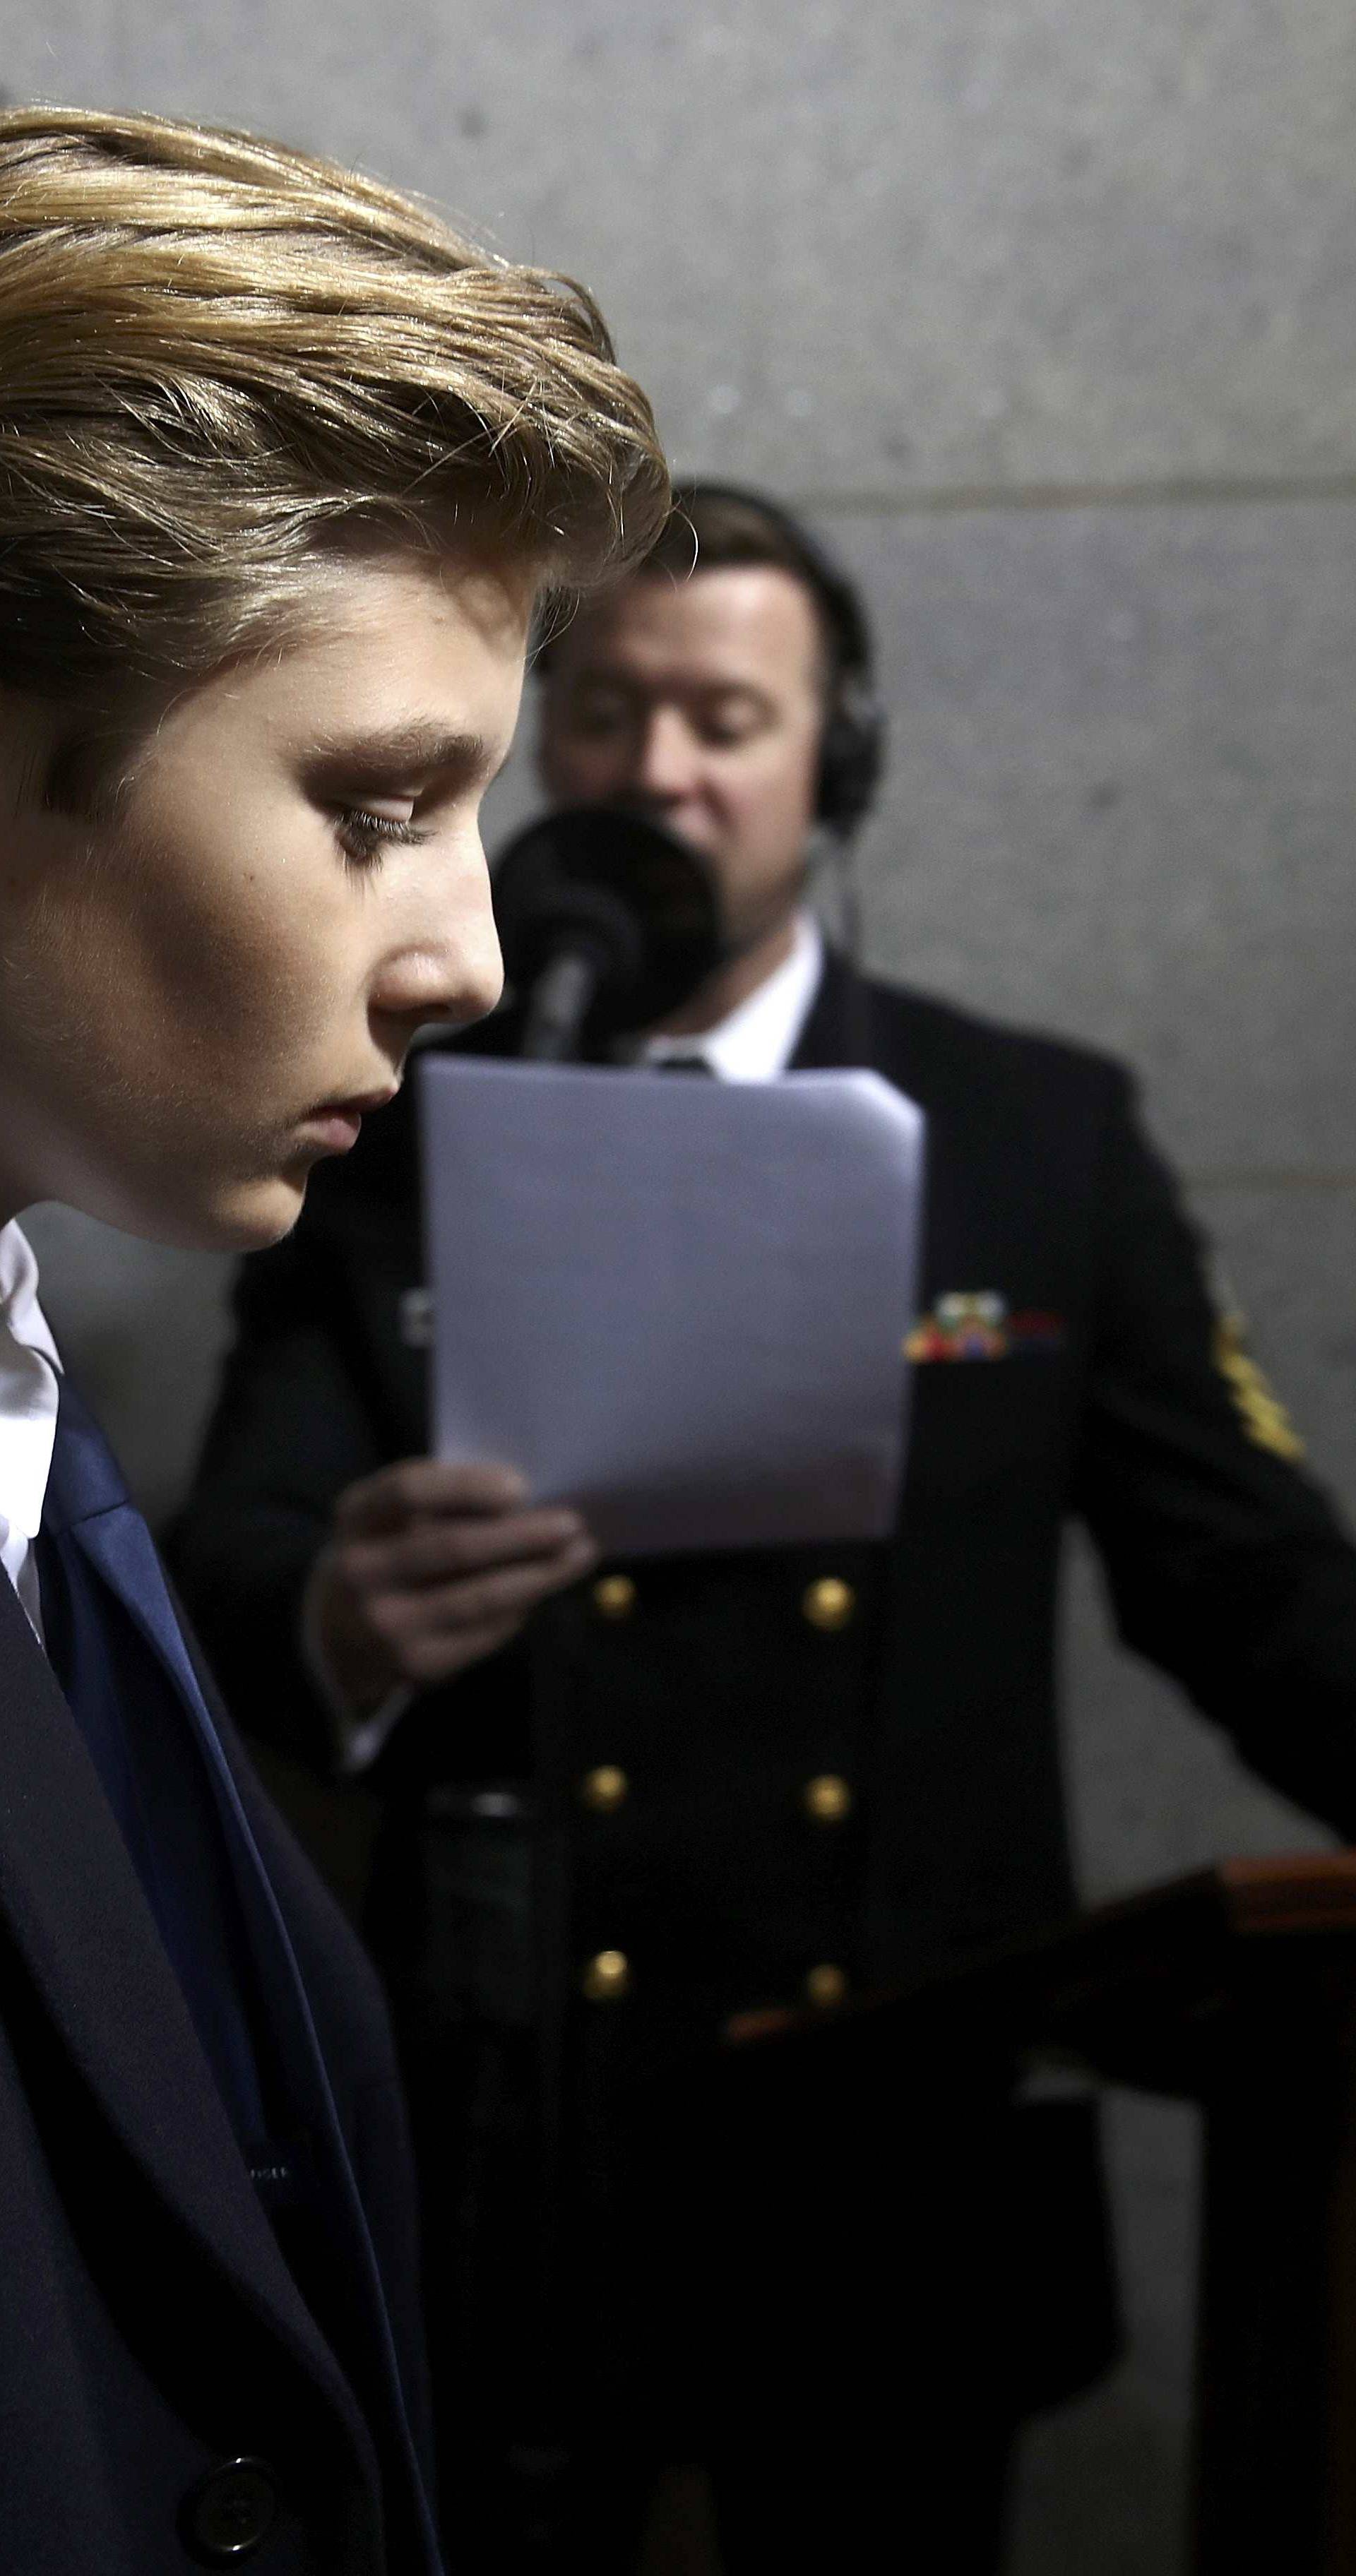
408 1620
439 1551
432 1660
415 1486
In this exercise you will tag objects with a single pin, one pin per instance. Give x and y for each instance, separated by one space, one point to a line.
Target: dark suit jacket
934 1701
150 2330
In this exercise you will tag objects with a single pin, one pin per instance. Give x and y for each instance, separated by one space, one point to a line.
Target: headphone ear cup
851 759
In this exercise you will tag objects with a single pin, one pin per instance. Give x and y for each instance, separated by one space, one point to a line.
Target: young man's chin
236 1216
253 1214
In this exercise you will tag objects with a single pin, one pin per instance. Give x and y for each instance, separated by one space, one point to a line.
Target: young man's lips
335 1124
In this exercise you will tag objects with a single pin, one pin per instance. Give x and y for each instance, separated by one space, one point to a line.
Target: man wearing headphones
623 1804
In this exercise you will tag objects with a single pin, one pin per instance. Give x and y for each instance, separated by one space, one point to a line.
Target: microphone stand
559 1006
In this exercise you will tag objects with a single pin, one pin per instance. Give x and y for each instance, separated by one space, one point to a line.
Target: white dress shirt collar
758 1039
28 1415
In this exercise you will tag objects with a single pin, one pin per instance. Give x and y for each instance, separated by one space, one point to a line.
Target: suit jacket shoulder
953 1054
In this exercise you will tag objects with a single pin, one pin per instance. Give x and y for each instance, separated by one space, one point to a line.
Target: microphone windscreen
631 897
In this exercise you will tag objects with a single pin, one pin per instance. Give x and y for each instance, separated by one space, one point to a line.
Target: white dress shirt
28 1415
757 1040
753 1043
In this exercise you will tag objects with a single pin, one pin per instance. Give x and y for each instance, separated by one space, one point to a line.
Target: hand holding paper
677 1306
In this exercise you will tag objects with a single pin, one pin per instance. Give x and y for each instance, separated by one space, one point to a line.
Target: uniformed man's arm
1227 1563
327 1581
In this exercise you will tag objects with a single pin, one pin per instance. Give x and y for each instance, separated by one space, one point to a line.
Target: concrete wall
1046 306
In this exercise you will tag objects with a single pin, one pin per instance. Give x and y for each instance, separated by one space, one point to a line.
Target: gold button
827 1799
606 1977
605 1789
826 1985
614 1596
829 1603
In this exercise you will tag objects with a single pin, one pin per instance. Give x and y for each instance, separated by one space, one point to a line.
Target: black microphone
607 923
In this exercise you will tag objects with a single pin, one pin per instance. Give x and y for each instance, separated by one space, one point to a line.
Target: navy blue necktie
115 1643
111 1636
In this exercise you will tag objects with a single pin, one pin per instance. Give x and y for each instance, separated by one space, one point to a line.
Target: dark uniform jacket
796 1771
169 2398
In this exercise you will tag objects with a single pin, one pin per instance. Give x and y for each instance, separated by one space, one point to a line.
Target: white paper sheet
677 1304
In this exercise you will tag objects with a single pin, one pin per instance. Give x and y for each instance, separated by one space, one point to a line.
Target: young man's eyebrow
400 752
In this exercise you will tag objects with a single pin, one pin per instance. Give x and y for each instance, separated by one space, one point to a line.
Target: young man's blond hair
226 365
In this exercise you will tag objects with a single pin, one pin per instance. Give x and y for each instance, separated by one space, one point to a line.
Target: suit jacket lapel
844 1028
834 1032
295 2027
87 1493
81 1921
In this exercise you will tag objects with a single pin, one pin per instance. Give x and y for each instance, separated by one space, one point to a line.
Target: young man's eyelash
364 835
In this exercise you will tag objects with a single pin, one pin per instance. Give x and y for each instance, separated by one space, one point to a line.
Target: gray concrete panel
848 246
1121 798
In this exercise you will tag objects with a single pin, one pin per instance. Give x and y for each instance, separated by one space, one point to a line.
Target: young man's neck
730 985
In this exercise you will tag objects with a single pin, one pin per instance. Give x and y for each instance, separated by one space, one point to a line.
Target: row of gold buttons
826 1800
607 1977
828 1604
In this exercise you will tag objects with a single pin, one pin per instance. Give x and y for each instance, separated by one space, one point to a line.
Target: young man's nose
454 972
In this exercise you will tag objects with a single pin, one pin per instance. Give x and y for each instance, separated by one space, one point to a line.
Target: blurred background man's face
699 704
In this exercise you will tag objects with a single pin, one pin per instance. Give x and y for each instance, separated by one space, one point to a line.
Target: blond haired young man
284 467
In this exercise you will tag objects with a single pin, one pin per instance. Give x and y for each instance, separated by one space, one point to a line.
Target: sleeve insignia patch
1260 1410
977 1324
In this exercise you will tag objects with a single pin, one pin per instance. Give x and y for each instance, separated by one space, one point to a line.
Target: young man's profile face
700 704
200 991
